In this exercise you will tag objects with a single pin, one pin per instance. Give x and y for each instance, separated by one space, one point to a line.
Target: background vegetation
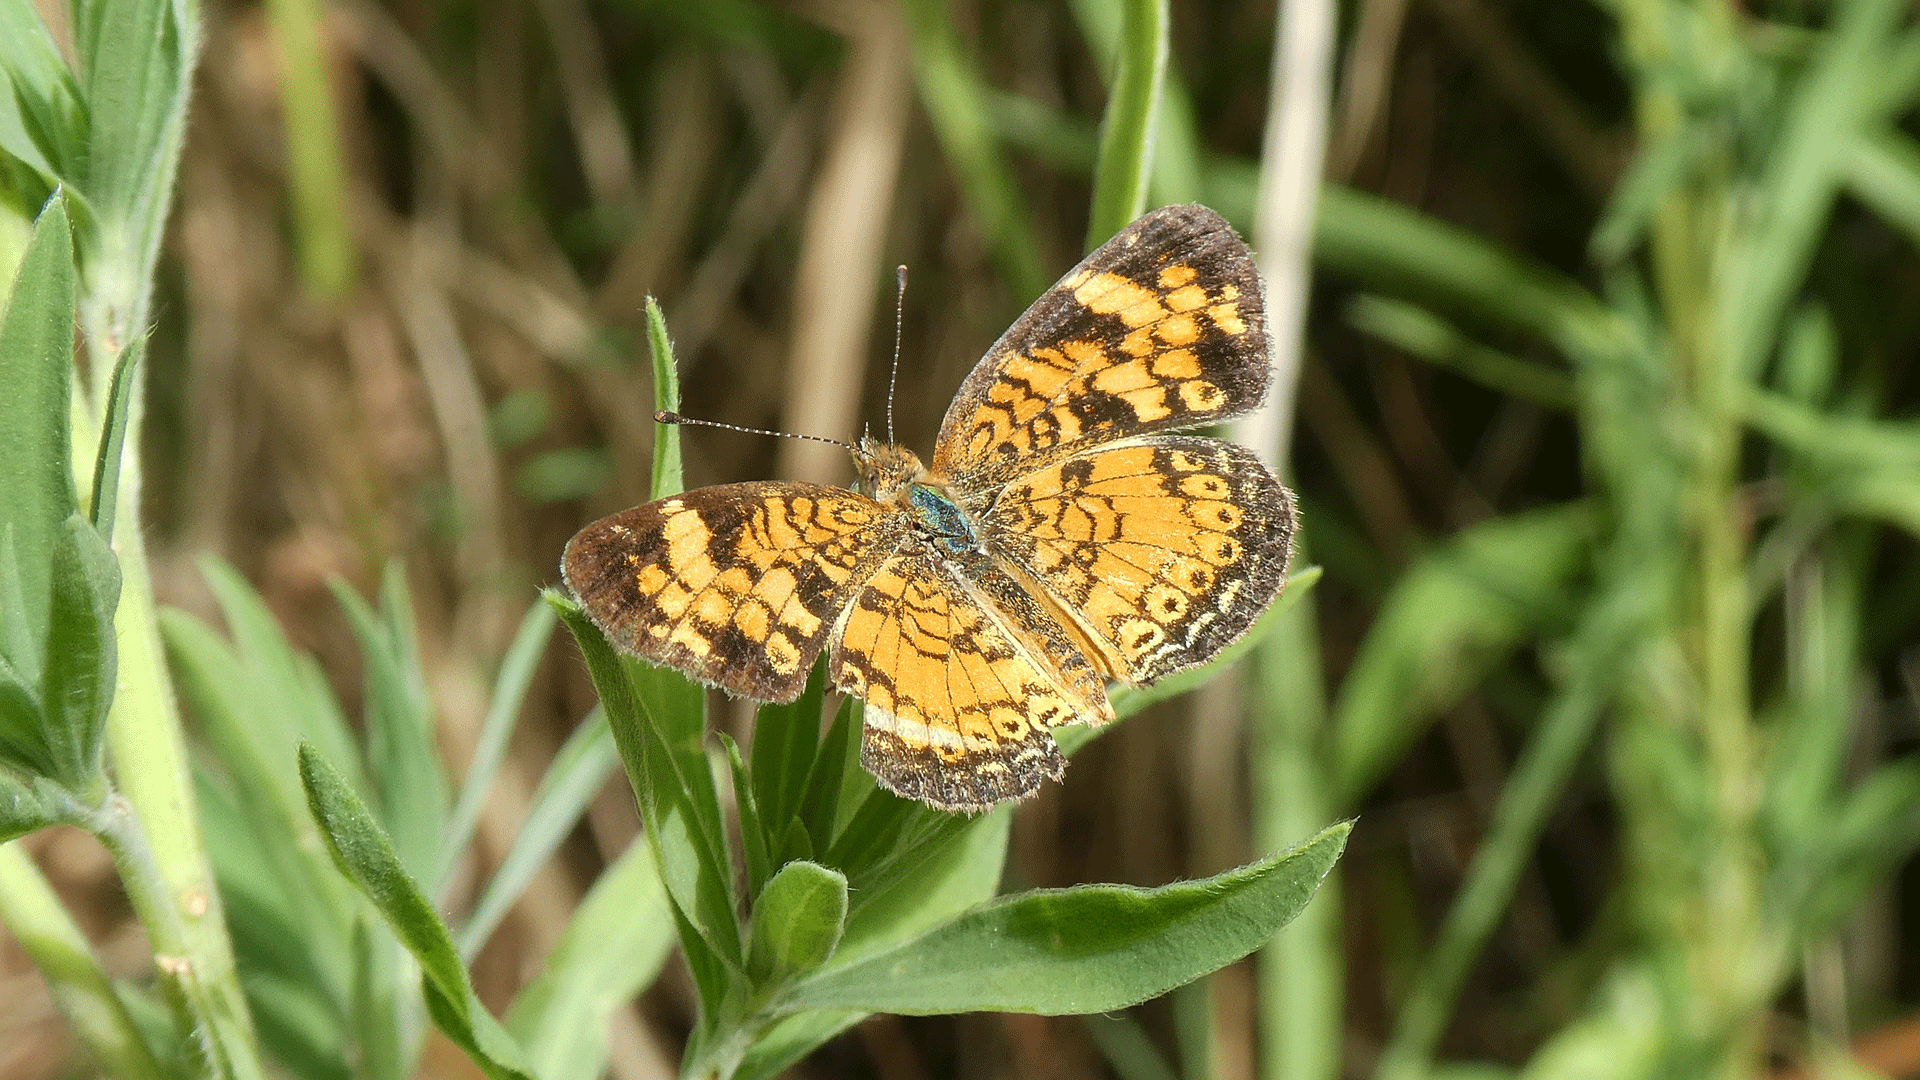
1604 442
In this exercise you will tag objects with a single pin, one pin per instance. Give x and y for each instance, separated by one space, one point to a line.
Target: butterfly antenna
899 322
666 416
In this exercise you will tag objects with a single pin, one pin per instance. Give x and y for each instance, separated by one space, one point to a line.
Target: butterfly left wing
1161 551
1160 328
736 585
962 687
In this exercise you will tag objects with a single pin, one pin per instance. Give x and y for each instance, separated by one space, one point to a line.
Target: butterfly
1062 535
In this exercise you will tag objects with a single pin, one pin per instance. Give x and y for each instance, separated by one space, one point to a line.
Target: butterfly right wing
964 680
1161 328
737 585
1162 550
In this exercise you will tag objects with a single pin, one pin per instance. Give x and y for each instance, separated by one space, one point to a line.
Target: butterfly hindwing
736 585
1162 550
1161 328
959 703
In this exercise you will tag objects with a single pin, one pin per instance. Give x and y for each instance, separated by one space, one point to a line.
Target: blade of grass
1124 168
367 858
613 947
1299 972
575 777
403 758
316 166
509 693
1537 780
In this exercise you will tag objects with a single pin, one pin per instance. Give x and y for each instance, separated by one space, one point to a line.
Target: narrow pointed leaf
666 396
113 438
509 693
1094 948
696 872
366 856
785 740
577 774
36 477
403 757
82 655
753 833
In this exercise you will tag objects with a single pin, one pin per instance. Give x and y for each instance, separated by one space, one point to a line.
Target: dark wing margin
1162 328
738 585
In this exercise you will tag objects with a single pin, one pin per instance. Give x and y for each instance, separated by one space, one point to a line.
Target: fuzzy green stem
80 987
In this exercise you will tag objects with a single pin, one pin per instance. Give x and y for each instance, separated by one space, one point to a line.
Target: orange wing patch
736 585
1161 550
1161 328
958 708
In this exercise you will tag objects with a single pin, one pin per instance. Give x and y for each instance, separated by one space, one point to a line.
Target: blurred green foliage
1607 450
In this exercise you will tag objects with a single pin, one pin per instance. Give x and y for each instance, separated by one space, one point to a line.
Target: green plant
91 737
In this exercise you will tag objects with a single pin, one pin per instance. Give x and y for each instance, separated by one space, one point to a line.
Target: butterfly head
886 469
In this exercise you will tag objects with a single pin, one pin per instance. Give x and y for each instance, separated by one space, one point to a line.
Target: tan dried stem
842 265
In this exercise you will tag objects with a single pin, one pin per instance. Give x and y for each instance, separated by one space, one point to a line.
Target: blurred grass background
400 318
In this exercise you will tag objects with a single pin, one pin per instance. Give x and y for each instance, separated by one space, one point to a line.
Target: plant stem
80 987
203 986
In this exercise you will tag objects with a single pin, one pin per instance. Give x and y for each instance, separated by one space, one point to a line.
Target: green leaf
113 437
1385 243
1094 948
365 855
36 474
132 62
1458 611
82 654
1434 340
958 867
696 871
785 740
575 777
667 479
833 783
42 121
753 830
612 948
1127 132
23 807
509 693
790 1039
797 922
401 748
955 97
22 730
303 705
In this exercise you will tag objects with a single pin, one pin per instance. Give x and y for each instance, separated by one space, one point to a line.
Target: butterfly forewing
1161 328
736 585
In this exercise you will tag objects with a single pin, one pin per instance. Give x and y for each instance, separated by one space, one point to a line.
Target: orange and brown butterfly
1061 536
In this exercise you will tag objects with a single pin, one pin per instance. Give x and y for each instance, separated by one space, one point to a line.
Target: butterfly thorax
893 475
